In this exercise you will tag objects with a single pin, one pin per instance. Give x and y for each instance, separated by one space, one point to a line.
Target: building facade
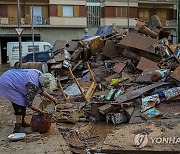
70 19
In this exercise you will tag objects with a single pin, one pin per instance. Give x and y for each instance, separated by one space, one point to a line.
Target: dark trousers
19 110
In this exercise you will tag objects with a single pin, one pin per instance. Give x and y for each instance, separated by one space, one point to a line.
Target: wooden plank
91 90
62 91
75 80
137 93
91 74
145 63
106 108
141 46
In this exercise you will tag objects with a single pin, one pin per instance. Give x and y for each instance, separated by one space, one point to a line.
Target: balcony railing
171 23
159 1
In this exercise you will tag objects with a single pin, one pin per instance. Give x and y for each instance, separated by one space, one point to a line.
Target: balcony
158 1
171 24
130 1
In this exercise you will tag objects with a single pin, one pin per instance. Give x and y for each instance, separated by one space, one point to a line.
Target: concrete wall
119 4
123 22
70 2
82 21
49 34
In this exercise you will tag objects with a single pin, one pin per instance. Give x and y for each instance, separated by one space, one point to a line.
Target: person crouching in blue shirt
20 86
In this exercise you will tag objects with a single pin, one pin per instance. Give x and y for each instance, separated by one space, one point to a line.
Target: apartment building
165 9
69 19
52 20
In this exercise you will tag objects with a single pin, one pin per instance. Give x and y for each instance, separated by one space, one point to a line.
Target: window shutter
76 11
59 10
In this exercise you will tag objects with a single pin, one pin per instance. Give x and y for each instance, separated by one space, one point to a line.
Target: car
39 57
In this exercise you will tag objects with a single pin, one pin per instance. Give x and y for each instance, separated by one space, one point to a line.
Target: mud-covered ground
153 136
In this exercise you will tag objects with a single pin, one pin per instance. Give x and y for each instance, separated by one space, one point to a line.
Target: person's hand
44 113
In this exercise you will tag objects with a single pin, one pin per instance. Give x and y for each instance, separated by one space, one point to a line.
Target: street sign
19 30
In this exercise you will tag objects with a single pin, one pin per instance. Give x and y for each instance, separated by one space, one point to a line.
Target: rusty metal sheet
106 108
76 53
118 67
59 44
130 54
95 44
145 63
105 31
71 45
109 49
176 73
141 45
138 92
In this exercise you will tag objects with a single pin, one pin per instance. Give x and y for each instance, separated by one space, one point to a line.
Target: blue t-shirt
13 84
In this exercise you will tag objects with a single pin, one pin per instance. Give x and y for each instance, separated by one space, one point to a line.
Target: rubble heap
118 77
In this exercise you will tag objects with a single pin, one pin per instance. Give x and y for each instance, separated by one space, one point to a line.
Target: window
121 12
30 48
47 47
28 58
37 15
42 56
93 13
67 11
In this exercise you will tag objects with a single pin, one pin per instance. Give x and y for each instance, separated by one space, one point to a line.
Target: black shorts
18 109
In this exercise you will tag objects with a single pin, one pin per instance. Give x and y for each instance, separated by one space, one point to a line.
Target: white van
27 47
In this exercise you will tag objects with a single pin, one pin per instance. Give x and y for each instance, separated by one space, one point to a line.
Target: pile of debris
118 77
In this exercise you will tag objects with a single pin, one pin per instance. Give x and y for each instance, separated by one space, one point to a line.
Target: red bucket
40 123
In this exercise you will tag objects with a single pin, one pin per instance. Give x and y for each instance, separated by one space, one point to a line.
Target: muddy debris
112 78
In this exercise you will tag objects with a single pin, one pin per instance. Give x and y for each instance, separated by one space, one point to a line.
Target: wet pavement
48 143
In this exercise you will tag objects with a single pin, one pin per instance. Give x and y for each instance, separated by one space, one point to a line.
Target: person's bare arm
31 90
34 108
45 94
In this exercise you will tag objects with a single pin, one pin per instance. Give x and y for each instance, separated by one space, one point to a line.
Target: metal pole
177 7
32 29
19 36
128 14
